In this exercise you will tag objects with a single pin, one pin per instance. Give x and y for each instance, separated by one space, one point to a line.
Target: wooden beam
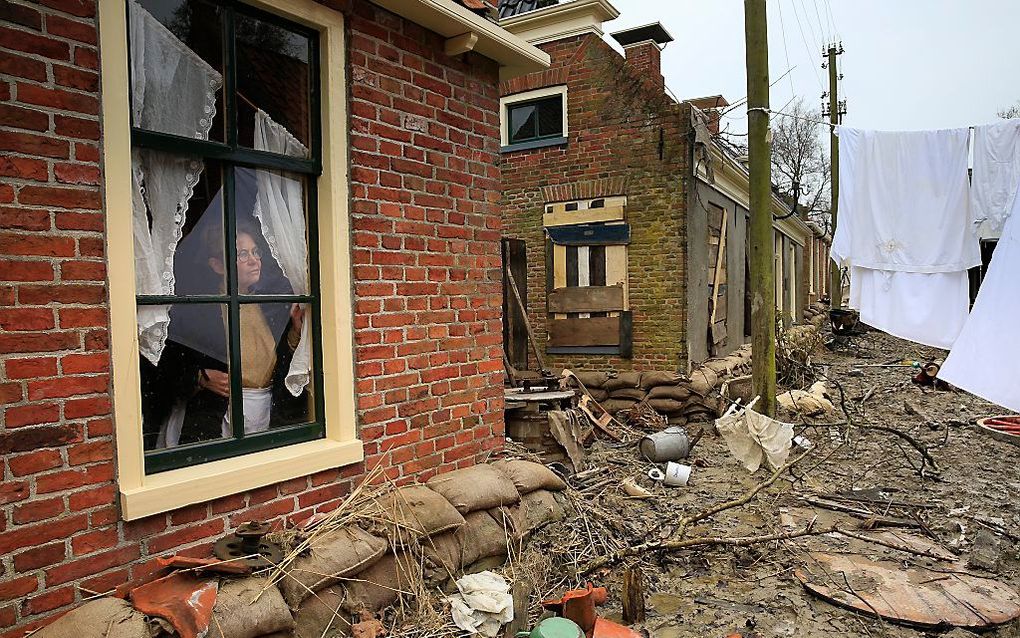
594 331
558 216
587 299
461 43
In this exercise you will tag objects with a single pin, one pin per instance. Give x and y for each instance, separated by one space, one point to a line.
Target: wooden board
587 299
560 217
914 596
595 331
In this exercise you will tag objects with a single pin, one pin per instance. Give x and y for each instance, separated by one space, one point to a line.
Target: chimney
712 106
642 47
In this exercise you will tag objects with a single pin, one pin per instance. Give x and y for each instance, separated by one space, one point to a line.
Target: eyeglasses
245 255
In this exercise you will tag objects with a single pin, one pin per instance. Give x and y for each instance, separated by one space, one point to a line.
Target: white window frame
509 100
144 494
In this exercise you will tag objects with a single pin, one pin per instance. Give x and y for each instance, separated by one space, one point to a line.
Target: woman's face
249 262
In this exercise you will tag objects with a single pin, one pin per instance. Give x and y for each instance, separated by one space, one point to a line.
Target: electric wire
786 50
807 47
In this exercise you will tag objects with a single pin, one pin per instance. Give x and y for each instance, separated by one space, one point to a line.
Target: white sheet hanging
929 308
984 358
173 91
280 209
904 201
996 176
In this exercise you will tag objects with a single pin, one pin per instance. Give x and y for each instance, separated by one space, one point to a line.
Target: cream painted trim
560 21
460 44
505 101
142 495
449 19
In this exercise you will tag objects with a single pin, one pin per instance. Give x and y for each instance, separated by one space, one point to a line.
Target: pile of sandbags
407 539
817 314
682 399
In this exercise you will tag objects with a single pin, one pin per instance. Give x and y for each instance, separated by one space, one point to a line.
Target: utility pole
763 286
835 109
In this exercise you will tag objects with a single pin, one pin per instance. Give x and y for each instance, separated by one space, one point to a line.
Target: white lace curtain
173 91
280 209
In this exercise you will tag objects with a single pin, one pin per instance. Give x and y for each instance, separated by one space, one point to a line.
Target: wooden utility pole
763 276
835 111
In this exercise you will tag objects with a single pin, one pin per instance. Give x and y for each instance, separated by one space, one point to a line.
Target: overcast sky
909 64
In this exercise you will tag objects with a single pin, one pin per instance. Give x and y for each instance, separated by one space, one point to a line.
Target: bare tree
1010 112
800 158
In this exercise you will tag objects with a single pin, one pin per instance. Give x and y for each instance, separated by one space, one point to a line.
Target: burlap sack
414 511
540 508
333 556
592 380
249 607
322 613
623 380
529 476
598 394
443 556
99 618
703 381
636 394
482 537
651 380
480 487
615 405
666 406
675 392
722 366
380 585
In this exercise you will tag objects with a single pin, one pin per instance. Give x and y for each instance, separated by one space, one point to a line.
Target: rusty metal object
201 565
247 546
578 605
916 596
182 599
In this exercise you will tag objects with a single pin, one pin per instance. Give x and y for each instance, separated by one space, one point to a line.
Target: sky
908 64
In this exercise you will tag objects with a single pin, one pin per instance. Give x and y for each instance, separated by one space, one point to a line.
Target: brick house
349 149
616 202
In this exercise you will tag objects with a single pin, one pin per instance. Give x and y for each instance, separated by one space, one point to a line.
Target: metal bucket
671 444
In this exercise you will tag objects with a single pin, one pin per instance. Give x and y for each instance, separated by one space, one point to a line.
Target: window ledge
178 488
527 146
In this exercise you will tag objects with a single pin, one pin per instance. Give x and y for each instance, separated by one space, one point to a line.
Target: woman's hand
215 381
297 316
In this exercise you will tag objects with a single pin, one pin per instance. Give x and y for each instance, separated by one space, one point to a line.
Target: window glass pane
185 395
550 117
275 366
273 80
176 67
272 242
522 123
178 220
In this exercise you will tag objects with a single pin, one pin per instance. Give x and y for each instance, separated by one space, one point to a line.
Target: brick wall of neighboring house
625 138
424 145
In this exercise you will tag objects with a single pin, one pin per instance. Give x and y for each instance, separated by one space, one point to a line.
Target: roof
654 32
708 102
510 8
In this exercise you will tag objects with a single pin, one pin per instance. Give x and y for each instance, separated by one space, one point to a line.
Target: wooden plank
595 331
560 217
597 265
616 270
583 272
587 299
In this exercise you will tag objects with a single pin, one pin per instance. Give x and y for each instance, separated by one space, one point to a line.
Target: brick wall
628 138
424 144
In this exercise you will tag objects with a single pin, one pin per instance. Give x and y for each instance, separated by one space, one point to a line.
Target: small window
535 120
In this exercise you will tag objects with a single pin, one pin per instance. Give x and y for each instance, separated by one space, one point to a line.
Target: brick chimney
643 46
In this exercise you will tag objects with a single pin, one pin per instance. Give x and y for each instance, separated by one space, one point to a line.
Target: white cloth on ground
904 201
996 175
753 437
983 359
929 308
483 604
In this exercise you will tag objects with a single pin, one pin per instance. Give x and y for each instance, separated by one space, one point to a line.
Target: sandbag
414 511
319 614
703 381
99 618
480 487
380 585
615 405
592 380
444 556
598 394
333 555
666 406
622 380
675 392
628 393
720 366
653 379
529 476
246 608
535 510
482 537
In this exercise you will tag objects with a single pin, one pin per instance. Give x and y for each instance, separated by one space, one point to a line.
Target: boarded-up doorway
515 332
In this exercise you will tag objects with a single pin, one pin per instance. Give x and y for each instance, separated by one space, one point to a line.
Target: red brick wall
424 144
625 137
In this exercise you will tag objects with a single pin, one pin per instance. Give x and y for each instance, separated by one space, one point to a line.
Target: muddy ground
719 591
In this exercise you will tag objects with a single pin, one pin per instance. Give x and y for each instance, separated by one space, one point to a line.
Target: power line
807 47
786 51
818 16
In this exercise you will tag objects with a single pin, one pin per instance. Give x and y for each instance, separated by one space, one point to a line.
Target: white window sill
186 486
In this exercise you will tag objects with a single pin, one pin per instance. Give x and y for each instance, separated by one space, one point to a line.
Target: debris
368 627
1001 428
483 604
753 437
671 444
633 596
248 545
812 402
578 605
203 565
183 599
984 554
565 429
634 490
855 372
676 475
916 595
554 627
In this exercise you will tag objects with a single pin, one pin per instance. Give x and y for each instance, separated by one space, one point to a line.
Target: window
225 165
534 119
